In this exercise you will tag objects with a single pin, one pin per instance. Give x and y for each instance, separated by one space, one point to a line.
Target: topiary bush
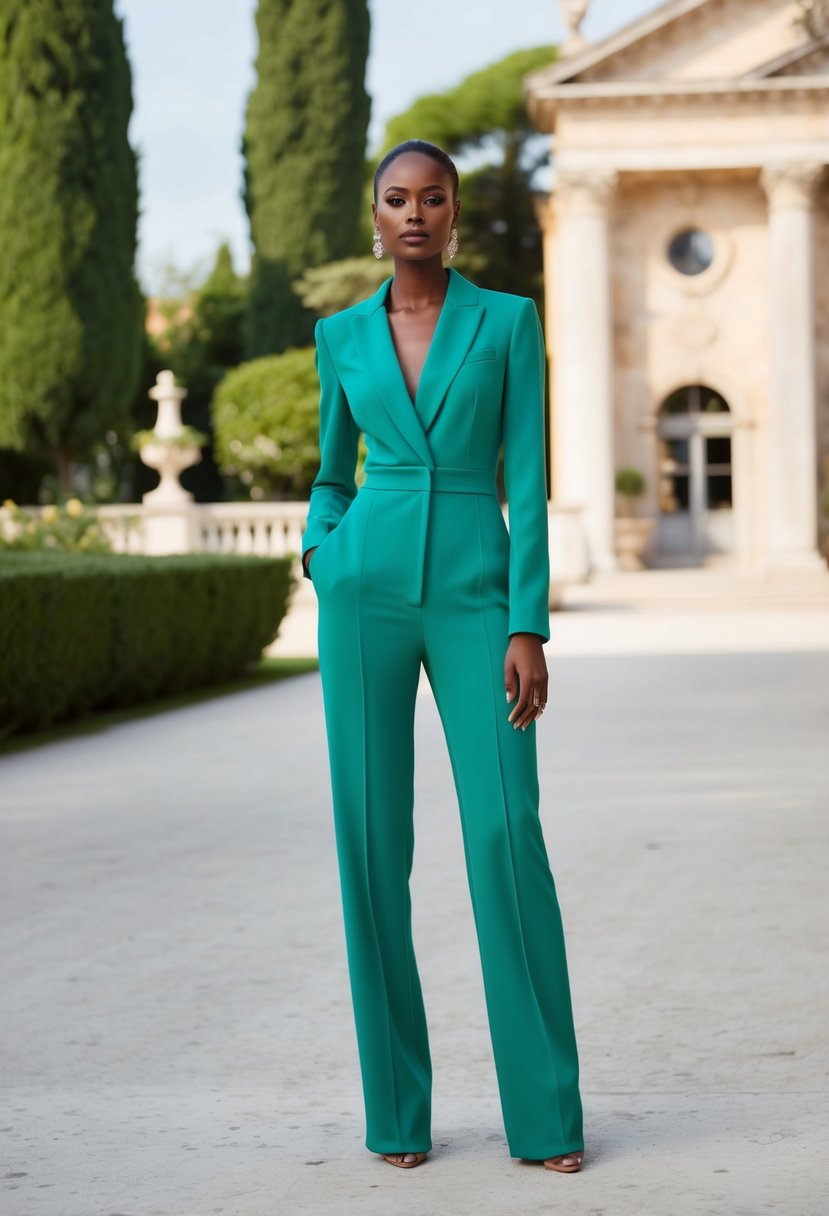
631 484
80 633
266 424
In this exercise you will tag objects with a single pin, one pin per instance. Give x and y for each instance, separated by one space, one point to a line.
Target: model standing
417 567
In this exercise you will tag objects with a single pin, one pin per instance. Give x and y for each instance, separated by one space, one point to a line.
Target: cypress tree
304 149
71 314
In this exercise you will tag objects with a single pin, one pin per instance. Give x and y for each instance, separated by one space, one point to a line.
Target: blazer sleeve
334 486
525 478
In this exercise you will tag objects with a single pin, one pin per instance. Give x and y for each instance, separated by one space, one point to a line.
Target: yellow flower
74 508
10 504
49 514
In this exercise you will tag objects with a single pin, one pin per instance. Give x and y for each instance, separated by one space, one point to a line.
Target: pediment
695 40
809 60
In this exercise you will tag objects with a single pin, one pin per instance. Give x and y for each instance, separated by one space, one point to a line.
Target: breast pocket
477 356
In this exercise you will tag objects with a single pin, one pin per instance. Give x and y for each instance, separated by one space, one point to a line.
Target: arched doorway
696 517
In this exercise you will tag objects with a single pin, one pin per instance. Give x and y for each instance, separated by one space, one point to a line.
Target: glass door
695 475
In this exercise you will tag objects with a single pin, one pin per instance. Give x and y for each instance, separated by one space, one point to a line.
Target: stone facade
687 280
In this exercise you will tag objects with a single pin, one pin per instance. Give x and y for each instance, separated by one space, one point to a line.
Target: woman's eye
393 201
435 198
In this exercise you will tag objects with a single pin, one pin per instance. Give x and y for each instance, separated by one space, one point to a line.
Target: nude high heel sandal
405 1161
573 1161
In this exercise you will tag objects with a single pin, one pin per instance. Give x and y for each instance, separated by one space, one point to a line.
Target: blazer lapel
382 371
457 325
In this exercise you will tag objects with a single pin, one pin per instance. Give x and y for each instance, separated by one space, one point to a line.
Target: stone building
687 276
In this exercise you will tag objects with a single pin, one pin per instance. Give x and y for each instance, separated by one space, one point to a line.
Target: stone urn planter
169 460
169 523
632 540
170 447
632 535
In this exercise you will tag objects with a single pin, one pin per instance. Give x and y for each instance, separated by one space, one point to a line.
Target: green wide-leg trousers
372 643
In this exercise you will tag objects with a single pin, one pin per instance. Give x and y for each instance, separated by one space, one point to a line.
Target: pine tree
71 314
304 149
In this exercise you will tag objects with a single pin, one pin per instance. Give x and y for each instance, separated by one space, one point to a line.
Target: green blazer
482 385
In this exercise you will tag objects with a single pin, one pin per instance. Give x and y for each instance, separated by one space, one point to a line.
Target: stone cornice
649 90
684 157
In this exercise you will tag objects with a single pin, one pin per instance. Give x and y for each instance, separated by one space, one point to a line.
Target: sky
193 67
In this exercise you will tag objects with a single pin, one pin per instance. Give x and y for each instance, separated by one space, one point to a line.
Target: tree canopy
304 148
327 289
486 106
70 310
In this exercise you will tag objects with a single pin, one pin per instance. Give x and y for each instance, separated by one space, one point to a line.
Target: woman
418 568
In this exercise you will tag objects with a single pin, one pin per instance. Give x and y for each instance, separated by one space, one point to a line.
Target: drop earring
378 244
452 247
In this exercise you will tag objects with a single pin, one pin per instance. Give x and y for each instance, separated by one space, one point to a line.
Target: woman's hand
525 676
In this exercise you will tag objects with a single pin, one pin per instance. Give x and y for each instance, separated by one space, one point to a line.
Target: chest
412 335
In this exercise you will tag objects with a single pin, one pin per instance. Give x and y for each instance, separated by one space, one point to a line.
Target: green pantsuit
417 568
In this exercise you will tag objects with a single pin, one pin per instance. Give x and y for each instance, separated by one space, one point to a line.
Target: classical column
582 414
544 209
792 442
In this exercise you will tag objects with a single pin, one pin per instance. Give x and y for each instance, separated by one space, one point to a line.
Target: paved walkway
177 1033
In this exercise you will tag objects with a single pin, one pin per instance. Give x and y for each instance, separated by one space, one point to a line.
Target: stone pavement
177 1035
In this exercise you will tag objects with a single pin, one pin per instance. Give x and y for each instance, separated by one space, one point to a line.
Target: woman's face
415 208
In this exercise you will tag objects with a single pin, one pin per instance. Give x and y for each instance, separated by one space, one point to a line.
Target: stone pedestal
170 529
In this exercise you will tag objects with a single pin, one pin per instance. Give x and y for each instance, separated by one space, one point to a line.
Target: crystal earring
378 244
452 247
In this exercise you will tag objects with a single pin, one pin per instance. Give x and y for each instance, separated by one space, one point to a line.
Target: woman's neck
417 285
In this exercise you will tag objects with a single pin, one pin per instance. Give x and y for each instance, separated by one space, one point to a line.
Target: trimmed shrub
266 422
80 633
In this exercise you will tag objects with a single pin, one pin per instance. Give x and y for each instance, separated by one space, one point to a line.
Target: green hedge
80 633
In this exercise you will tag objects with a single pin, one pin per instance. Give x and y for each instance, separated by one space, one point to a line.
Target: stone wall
672 330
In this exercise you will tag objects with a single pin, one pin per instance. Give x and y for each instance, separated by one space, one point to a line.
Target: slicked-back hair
425 149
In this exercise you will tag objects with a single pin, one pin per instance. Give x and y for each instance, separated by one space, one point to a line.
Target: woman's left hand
525 676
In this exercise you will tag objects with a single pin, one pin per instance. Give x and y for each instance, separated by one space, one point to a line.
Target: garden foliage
69 527
71 314
266 424
304 149
80 633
